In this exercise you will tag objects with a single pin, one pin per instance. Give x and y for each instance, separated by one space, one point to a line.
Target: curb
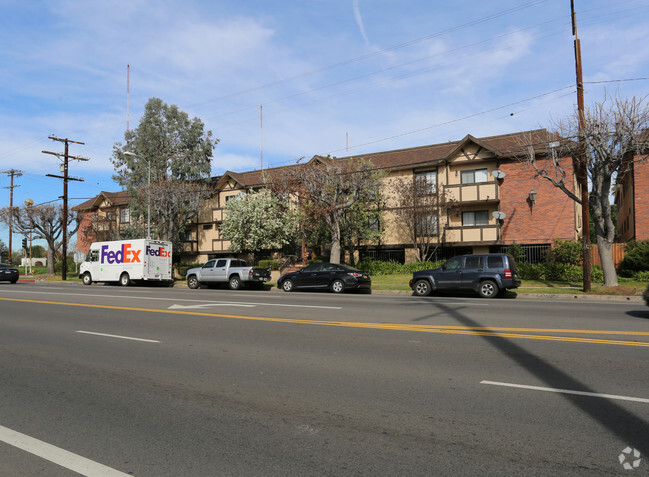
510 295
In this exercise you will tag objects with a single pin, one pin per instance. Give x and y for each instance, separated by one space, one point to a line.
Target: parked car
8 273
233 271
645 295
488 274
336 278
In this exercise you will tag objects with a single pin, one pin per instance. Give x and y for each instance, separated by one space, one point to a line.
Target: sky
277 81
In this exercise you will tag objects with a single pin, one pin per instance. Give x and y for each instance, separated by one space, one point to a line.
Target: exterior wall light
532 197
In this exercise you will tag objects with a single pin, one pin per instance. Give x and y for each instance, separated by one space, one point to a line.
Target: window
475 218
475 175
207 226
221 263
427 225
374 224
473 262
495 262
429 178
187 236
125 215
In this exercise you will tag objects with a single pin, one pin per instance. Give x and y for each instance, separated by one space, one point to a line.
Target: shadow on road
628 427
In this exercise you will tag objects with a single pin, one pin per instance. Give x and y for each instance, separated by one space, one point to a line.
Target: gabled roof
503 146
114 199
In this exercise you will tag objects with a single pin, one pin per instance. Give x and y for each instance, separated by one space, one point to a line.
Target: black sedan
334 277
8 273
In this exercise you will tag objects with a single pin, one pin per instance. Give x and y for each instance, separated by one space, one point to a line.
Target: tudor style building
499 200
102 217
631 198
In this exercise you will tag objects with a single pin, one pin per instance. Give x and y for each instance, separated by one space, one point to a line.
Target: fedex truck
127 261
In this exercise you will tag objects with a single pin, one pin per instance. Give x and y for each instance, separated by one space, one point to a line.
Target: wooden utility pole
581 163
66 178
12 173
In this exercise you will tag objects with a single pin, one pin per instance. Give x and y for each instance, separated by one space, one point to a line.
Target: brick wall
84 236
641 200
554 214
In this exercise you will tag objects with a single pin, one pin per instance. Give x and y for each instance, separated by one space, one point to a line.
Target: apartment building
631 198
498 198
102 217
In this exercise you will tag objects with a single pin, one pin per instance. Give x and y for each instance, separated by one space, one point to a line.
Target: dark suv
489 274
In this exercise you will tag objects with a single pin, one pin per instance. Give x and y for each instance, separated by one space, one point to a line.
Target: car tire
13 281
193 283
422 288
287 285
124 280
337 286
488 289
235 283
87 279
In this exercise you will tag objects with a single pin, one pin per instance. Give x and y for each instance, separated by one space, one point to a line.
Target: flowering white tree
258 221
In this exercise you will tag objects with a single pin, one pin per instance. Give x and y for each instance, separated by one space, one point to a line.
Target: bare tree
329 187
614 136
45 222
418 206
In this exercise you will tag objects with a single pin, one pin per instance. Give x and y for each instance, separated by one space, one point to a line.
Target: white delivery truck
126 261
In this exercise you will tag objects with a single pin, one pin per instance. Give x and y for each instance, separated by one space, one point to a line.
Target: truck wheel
422 288
337 286
87 279
287 285
192 282
235 283
488 289
124 279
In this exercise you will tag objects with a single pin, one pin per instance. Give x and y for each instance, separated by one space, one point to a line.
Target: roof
502 146
114 199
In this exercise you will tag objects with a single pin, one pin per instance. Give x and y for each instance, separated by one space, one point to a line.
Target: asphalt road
153 382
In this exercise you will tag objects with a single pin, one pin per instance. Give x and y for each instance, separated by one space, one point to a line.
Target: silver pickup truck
232 271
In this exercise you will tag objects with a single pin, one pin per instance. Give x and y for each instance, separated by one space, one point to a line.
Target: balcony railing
478 234
482 191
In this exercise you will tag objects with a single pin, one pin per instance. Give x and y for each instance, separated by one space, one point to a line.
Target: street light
148 210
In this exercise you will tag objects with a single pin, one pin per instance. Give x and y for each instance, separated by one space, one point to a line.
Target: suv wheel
422 288
488 289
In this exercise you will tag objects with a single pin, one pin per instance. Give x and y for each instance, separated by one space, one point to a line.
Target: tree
164 165
258 221
45 222
361 222
4 251
328 188
418 205
613 137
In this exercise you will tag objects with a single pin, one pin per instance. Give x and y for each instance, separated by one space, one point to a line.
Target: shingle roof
113 198
506 145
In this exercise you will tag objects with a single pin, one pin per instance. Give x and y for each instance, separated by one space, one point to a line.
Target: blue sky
333 77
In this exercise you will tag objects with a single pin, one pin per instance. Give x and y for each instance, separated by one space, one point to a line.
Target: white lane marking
566 391
59 456
205 305
179 299
117 336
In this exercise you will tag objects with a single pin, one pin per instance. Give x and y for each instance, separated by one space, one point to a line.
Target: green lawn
626 286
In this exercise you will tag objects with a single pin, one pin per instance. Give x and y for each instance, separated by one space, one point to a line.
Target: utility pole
581 163
12 173
66 178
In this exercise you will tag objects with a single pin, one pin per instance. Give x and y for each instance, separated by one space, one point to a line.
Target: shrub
636 258
642 276
516 251
527 271
272 264
416 266
567 252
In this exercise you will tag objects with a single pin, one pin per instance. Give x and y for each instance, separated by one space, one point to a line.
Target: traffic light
25 243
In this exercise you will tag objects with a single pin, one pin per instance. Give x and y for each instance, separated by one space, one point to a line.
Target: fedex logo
159 252
124 255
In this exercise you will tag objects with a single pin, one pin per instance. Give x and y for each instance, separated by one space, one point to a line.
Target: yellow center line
456 330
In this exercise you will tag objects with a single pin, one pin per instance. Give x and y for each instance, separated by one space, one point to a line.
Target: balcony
483 234
477 192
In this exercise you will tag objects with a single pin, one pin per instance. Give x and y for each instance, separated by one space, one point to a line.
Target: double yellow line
495 332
